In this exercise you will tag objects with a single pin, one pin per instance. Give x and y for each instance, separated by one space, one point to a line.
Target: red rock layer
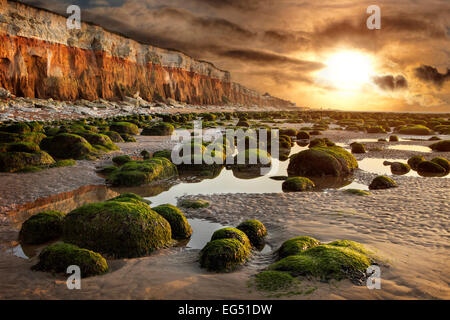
35 68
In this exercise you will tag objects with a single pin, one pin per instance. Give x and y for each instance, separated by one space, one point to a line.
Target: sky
318 54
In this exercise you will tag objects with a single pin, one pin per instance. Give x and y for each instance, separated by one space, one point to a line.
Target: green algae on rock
296 245
357 192
181 228
232 233
358 147
136 173
158 129
57 257
430 168
19 161
121 229
194 204
414 161
121 160
255 231
382 182
443 146
223 255
124 127
326 262
322 161
42 227
296 184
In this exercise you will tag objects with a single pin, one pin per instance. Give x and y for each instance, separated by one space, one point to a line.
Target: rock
223 255
415 130
243 123
121 160
5 94
296 245
297 184
400 168
414 161
393 138
376 129
114 136
194 204
444 163
232 233
159 129
136 173
322 161
358 147
42 227
124 127
255 231
18 161
429 168
178 222
443 146
303 135
58 257
121 228
382 182
68 146
326 262
321 142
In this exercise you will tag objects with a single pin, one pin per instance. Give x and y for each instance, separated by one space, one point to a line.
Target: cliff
40 57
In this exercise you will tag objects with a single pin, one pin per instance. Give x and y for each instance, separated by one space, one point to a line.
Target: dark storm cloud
432 75
390 82
262 57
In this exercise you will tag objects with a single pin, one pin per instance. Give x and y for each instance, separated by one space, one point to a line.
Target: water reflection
376 165
242 180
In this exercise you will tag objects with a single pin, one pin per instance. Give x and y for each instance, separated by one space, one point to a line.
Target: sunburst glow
347 70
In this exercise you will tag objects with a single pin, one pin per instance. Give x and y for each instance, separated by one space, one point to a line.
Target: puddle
202 232
411 147
375 165
242 181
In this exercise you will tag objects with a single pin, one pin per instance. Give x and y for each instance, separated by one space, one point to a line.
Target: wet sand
406 226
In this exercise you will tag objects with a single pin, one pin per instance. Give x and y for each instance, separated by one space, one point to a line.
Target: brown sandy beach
407 227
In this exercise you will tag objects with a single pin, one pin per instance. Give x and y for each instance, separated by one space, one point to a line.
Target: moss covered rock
430 168
296 245
29 147
321 142
297 184
223 255
124 127
243 123
357 192
121 160
255 231
400 168
130 197
444 163
18 161
358 147
303 135
415 130
194 204
382 182
136 173
114 136
42 227
414 161
163 154
159 129
393 138
68 146
57 257
443 146
181 228
121 229
322 161
326 262
232 233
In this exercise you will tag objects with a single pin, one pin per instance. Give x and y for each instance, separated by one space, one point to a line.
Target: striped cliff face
40 57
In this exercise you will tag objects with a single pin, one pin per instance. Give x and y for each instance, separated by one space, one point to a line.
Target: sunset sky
314 53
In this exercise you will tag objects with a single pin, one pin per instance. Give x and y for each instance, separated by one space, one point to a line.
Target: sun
347 70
